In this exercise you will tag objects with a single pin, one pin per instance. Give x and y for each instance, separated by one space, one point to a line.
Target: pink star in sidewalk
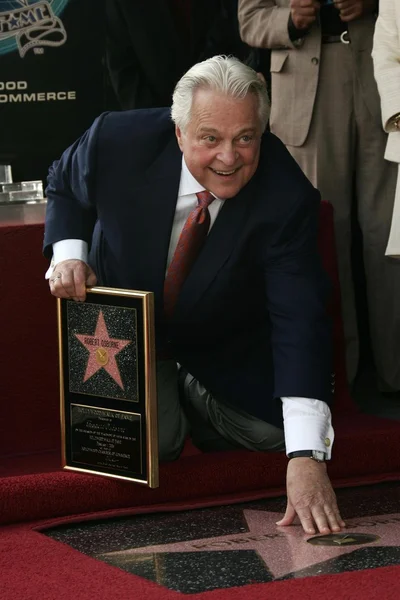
102 351
283 549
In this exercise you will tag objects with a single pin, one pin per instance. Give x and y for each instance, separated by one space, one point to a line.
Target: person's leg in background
328 159
375 186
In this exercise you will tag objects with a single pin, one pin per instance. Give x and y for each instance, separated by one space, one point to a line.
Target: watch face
318 455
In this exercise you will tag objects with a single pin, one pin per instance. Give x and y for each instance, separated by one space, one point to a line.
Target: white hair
224 74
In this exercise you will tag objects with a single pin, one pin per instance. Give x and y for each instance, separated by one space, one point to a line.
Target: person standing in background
325 108
386 57
150 45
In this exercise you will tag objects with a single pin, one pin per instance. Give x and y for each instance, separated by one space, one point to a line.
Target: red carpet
33 488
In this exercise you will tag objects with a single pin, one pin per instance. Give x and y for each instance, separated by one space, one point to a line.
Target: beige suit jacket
295 67
386 56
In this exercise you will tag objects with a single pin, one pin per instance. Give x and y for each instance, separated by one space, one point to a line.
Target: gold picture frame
108 396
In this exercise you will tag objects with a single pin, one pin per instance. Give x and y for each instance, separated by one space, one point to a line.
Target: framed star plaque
108 385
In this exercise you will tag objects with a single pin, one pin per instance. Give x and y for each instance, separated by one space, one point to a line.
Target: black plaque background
100 401
125 327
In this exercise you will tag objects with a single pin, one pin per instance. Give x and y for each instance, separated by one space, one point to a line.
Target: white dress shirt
308 422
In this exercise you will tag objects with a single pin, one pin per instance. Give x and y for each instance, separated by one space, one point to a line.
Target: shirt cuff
308 425
67 250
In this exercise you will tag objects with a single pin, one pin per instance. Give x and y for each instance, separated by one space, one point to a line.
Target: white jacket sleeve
386 57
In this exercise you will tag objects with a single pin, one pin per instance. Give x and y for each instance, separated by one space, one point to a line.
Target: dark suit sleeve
297 295
223 36
144 55
71 211
129 84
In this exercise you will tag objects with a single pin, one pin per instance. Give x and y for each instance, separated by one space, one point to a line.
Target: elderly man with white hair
204 207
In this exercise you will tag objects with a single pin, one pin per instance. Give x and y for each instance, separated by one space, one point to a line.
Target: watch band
316 455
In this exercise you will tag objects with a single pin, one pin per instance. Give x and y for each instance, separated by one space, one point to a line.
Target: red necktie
189 245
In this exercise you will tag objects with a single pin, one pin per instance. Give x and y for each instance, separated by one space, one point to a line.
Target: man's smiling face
221 143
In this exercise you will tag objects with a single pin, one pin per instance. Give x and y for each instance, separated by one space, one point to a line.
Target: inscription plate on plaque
106 438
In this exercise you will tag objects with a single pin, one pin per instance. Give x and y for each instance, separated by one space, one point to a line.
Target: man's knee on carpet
170 445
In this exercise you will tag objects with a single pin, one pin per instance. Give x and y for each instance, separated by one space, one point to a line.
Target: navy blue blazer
251 321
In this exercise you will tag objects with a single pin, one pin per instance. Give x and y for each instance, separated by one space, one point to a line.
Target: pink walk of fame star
102 351
282 549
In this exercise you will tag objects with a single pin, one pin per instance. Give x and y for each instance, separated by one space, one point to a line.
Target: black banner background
34 133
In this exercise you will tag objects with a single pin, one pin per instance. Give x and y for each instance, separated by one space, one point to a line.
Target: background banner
52 80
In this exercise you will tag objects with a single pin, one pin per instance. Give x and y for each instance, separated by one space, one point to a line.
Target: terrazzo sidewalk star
283 550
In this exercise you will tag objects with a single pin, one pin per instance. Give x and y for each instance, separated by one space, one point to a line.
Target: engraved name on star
283 550
102 351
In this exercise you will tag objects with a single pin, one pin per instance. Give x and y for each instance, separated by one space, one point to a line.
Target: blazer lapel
152 217
217 249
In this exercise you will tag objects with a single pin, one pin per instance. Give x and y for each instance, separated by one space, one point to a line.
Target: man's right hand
310 495
304 13
70 279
